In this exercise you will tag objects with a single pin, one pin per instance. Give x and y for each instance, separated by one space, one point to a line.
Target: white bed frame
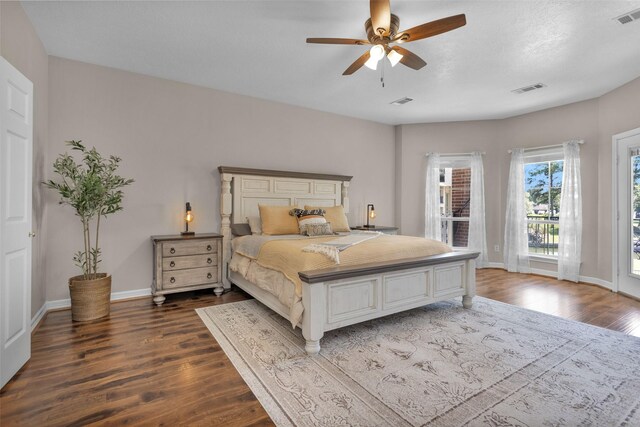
338 296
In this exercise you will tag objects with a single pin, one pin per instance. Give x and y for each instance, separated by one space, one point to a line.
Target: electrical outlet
496 248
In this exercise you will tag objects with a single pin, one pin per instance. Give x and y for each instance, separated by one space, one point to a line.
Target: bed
338 295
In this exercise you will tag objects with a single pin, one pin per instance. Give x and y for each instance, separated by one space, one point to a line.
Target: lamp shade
375 54
394 57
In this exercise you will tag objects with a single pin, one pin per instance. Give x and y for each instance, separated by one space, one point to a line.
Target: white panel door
627 216
16 145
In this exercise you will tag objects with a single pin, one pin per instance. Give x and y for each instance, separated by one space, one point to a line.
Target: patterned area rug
439 365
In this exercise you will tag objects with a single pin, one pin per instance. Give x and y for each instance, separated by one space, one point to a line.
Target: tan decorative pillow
276 220
335 215
312 230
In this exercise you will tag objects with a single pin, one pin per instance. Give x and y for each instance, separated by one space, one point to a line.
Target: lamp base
368 226
187 233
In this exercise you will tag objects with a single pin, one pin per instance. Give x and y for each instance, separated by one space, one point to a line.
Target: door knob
32 234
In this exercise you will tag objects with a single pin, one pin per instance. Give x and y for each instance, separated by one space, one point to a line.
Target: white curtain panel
516 247
477 225
570 239
432 218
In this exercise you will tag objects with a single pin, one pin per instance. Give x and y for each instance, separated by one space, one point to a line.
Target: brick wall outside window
460 194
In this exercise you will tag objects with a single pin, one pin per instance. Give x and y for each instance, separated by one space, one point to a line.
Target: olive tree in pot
94 190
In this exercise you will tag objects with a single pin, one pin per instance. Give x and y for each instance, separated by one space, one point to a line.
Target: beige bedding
271 281
287 256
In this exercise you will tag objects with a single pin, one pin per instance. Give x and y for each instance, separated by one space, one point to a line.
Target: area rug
439 365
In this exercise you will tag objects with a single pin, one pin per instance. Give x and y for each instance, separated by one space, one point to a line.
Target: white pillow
255 224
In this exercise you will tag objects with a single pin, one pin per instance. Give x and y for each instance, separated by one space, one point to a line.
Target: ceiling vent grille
529 88
401 101
634 15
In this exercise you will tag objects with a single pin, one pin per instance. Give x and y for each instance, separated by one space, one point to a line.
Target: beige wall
20 45
595 121
172 137
453 137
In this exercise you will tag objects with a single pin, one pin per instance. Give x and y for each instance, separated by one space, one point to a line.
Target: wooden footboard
341 296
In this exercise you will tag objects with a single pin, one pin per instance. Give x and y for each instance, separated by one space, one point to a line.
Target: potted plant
94 190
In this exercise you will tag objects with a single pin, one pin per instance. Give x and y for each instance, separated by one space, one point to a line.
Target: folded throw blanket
332 248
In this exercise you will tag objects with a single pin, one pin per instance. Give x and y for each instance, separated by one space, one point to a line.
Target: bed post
345 196
467 298
225 229
313 320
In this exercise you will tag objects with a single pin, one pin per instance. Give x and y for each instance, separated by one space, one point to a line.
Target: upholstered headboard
243 189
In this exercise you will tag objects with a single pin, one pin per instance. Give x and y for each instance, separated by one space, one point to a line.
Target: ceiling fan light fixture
394 57
376 53
371 64
382 29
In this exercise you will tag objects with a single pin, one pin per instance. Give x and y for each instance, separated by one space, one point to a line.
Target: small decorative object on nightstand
186 263
188 217
381 228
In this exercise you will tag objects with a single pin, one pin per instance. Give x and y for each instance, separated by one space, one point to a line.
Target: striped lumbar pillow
308 217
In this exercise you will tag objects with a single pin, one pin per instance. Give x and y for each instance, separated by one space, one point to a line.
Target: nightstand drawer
189 261
193 276
195 247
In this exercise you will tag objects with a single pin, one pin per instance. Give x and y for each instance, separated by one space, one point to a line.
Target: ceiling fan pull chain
382 74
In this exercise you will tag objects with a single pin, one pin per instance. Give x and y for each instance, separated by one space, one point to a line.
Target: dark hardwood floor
147 365
581 302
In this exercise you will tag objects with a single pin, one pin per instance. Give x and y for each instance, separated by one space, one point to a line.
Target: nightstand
186 263
381 228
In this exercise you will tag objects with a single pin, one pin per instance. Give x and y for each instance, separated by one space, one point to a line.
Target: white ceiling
258 48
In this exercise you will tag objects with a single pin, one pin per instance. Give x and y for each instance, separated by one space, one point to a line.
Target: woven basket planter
90 299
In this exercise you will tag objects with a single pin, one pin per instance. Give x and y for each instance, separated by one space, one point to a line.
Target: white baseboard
495 265
38 316
554 274
66 303
597 281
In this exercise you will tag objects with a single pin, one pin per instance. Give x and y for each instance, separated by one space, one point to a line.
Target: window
455 199
543 187
454 210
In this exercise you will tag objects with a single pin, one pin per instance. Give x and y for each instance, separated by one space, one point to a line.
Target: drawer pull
209 276
172 250
209 260
172 264
173 280
209 247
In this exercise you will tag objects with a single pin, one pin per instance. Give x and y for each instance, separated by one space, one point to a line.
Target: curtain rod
456 154
579 141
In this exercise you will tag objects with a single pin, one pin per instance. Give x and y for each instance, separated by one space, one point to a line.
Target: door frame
615 212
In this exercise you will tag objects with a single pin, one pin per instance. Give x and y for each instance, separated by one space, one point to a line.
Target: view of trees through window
543 186
635 215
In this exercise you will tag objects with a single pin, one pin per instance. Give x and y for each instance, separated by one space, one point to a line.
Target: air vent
402 101
529 88
634 15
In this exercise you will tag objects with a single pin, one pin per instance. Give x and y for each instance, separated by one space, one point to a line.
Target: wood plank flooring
148 365
581 302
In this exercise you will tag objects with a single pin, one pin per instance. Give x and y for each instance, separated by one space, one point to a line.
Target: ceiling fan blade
337 41
380 16
409 58
357 64
431 29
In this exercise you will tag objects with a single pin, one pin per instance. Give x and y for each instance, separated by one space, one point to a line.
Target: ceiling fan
382 31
